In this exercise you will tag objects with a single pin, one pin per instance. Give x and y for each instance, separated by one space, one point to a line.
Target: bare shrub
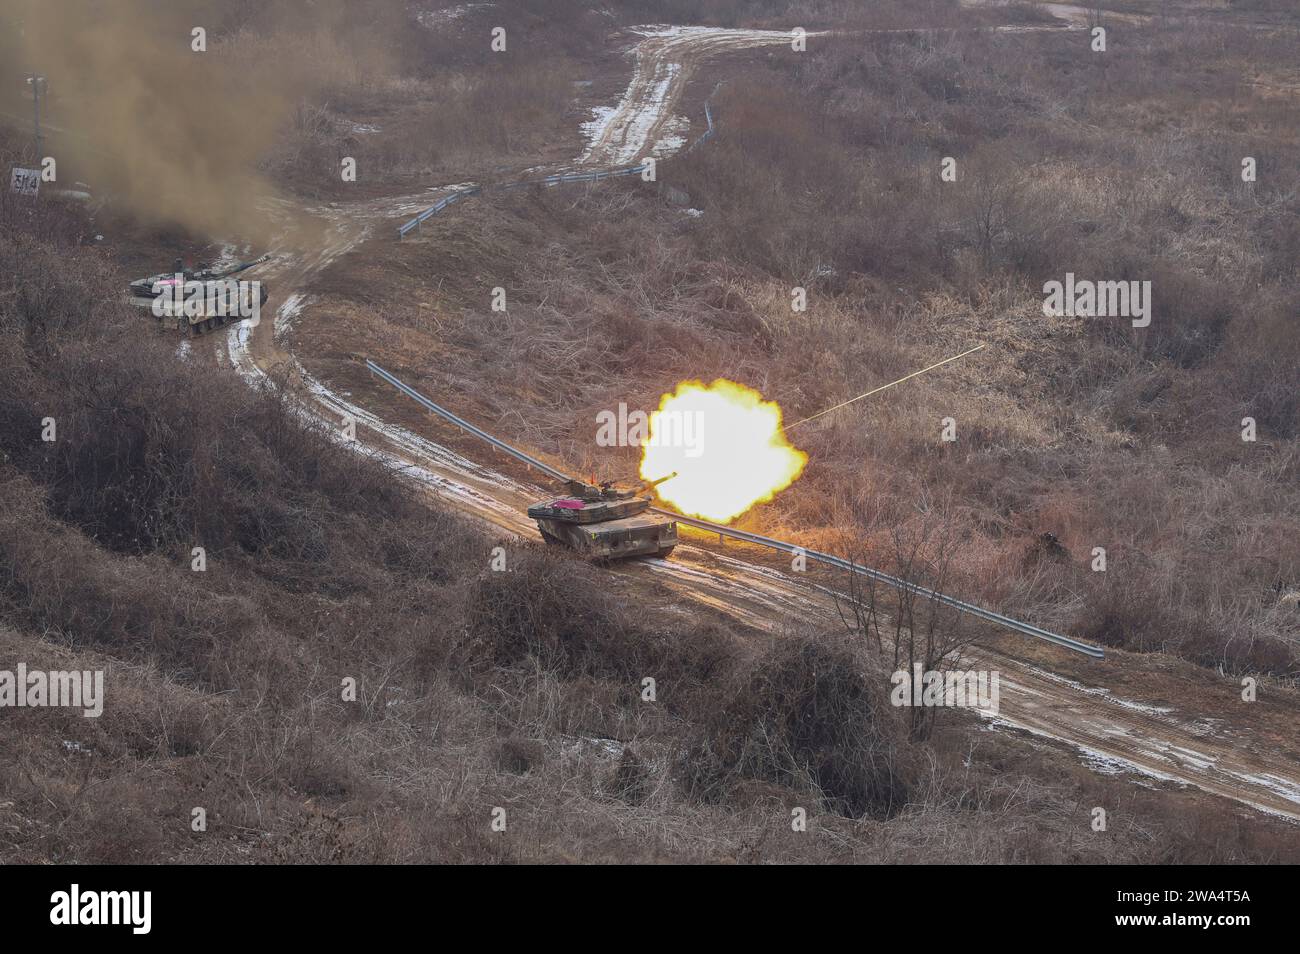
812 716
552 611
541 609
632 779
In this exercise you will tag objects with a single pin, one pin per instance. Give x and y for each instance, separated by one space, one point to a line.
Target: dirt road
1250 758
665 58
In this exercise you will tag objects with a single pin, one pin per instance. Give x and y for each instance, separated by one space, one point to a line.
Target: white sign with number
25 181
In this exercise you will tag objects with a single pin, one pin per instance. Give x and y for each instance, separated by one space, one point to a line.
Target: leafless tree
918 551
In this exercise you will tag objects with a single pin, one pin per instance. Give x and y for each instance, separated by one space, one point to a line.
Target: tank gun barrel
652 484
238 267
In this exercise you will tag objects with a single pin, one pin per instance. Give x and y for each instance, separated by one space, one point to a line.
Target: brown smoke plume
173 134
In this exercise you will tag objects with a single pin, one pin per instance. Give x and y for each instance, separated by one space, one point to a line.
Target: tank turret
605 522
223 301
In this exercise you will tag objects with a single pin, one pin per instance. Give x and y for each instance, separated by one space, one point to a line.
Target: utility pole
37 83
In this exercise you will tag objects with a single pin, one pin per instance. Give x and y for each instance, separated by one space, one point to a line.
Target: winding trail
666 56
1112 733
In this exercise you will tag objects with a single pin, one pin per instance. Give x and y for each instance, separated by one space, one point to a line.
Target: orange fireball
726 445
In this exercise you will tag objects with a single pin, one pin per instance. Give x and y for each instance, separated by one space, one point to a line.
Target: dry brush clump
541 609
552 612
811 716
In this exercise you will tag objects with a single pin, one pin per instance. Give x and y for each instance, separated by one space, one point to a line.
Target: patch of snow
237 347
601 116
667 146
288 311
618 135
672 137
228 256
624 128
1104 764
669 31
601 747
1114 763
1104 693
1287 788
432 19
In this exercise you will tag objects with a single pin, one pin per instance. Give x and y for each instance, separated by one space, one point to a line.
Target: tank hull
618 539
221 305
604 523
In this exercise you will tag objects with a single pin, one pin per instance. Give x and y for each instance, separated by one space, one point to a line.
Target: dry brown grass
827 176
813 716
522 689
477 689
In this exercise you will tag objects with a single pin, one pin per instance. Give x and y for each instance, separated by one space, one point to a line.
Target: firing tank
597 520
606 523
223 300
